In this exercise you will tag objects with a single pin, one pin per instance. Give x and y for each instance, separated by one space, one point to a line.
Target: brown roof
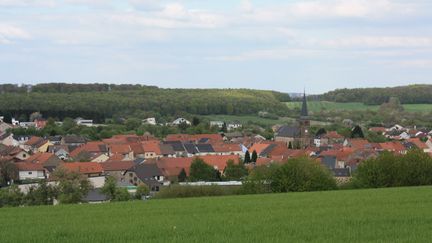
120 148
26 166
117 165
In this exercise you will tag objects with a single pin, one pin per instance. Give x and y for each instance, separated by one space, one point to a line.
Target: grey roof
329 161
190 148
203 140
138 161
205 148
304 110
95 195
166 149
341 172
176 145
267 150
287 131
74 139
146 171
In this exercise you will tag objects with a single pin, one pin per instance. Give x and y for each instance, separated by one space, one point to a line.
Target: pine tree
254 156
182 176
247 158
290 146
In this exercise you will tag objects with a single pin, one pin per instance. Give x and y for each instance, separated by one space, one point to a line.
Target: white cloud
379 42
27 3
9 33
270 54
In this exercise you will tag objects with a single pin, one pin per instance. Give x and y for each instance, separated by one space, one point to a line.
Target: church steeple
304 110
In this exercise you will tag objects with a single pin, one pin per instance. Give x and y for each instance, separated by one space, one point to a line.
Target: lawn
378 215
354 106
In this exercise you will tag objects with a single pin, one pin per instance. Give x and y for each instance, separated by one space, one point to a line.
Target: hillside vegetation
377 215
412 94
101 101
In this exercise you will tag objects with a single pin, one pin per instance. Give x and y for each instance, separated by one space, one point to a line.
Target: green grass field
354 106
377 215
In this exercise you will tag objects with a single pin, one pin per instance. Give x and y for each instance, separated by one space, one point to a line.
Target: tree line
412 94
97 103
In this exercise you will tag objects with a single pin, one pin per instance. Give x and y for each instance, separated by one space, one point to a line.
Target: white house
180 120
216 124
27 124
233 125
149 121
8 140
396 128
83 122
30 171
15 122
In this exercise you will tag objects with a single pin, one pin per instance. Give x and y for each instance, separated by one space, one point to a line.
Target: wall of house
30 175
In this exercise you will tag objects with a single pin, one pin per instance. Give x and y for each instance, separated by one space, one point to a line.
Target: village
135 160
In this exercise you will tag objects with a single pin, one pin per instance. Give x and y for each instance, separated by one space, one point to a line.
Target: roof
166 149
27 166
203 138
287 131
176 145
258 147
226 147
329 161
120 148
304 109
146 171
418 143
47 159
151 146
95 195
205 148
36 142
84 167
392 146
333 135
341 172
73 139
117 165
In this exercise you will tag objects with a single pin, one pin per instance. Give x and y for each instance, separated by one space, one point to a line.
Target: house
296 136
30 171
15 153
8 139
61 151
89 169
149 121
73 140
181 120
117 169
146 173
228 149
37 144
234 125
91 150
396 128
40 123
216 124
122 150
393 146
419 144
4 127
27 124
83 122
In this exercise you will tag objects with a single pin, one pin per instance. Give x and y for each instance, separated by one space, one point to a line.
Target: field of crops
378 215
354 106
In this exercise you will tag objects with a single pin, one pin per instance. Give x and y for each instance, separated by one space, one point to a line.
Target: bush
11 196
390 170
177 191
259 180
302 174
200 171
121 194
141 191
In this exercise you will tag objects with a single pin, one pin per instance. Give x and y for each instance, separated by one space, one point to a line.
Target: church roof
304 109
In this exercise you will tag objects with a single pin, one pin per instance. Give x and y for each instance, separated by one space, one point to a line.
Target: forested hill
101 101
412 94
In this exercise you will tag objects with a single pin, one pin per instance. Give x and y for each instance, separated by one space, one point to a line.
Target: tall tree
182 177
254 156
200 171
247 158
357 132
8 172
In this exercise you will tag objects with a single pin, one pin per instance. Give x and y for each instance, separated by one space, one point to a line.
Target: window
30 173
130 174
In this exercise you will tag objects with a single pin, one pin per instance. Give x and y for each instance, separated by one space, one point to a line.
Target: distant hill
101 101
412 94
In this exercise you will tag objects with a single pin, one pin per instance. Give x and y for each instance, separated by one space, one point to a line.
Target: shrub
177 191
302 174
259 180
141 191
390 170
200 171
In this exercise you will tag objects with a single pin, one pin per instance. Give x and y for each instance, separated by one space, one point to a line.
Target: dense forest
412 94
103 101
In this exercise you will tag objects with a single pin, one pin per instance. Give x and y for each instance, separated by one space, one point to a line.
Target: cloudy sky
268 44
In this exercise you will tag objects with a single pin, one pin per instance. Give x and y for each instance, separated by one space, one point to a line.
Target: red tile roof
226 147
418 143
120 148
41 158
26 166
392 146
258 147
152 146
84 167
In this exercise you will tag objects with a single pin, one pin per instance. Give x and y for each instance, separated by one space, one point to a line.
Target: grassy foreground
316 106
378 215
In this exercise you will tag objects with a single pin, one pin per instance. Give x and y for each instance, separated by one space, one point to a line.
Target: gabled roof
83 167
152 146
287 131
117 165
226 147
258 147
418 143
120 148
166 149
47 159
205 148
146 171
36 142
176 145
26 166
73 139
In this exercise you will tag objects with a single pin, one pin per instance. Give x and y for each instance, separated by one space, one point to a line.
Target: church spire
304 109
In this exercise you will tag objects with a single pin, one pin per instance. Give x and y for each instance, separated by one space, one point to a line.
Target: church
296 137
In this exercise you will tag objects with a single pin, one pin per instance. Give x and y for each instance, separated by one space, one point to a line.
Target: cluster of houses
135 160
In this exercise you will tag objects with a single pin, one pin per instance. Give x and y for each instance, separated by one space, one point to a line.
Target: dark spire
304 110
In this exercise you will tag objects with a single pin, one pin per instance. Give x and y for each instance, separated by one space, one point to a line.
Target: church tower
304 122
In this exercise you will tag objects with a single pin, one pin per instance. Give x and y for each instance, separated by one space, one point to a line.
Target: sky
269 44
